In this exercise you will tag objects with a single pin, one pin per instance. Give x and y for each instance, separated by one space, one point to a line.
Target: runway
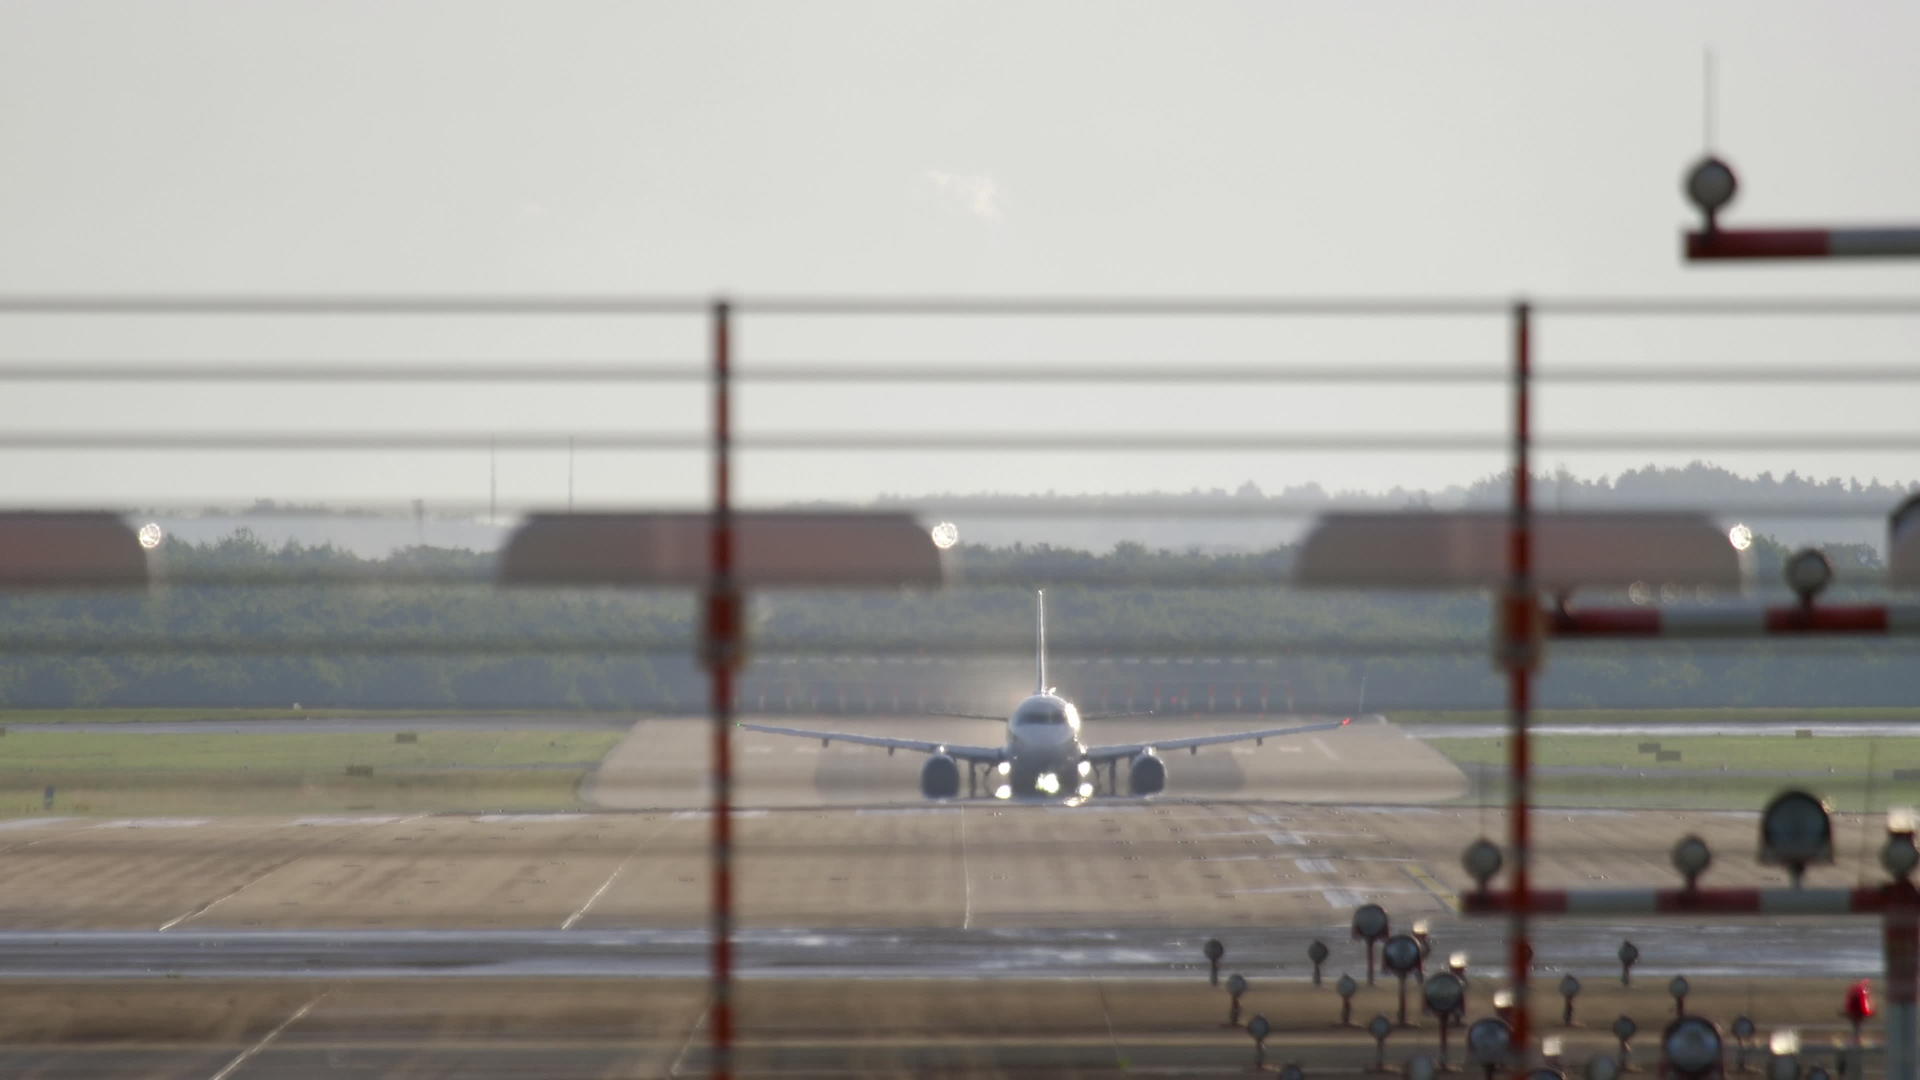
878 932
1805 949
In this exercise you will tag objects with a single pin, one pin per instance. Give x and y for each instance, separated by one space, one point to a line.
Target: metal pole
1522 611
723 653
1902 942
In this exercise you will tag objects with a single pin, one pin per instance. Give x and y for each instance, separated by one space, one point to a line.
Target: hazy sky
1374 149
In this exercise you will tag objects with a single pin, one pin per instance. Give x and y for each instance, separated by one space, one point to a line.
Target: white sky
1369 149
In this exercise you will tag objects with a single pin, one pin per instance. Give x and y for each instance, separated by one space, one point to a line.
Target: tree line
244 623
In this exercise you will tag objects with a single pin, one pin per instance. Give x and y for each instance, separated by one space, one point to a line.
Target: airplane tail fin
1040 640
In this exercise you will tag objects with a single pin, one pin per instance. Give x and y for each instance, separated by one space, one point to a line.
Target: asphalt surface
1744 951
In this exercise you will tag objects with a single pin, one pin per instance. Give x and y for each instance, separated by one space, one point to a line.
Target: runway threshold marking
248 1053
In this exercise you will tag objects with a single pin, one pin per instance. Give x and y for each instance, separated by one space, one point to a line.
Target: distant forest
1131 629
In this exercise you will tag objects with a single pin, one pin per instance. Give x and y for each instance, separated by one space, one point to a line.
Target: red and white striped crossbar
1803 243
1884 619
1861 901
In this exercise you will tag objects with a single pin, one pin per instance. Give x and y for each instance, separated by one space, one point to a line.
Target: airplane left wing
984 754
1101 754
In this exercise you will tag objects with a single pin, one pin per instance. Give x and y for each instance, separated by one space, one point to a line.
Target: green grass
1773 752
1832 766
1663 716
114 774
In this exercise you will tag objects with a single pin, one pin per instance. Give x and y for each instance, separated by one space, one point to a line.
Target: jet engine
940 777
1147 775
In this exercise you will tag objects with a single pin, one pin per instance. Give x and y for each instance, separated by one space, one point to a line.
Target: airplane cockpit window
1040 714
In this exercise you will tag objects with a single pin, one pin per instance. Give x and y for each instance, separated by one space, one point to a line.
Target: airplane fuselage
1044 754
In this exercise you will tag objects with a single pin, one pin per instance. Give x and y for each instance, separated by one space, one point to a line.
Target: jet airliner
1043 756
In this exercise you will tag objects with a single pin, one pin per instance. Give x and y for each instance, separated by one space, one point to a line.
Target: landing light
1085 767
1004 768
1741 537
152 535
1048 783
1086 790
1004 791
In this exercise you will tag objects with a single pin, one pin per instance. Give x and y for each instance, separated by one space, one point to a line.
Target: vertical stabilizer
1040 640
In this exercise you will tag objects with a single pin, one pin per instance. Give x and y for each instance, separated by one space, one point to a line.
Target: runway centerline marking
267 1038
966 874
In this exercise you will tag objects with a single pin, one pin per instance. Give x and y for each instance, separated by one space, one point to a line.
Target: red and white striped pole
1893 243
723 623
1887 620
1521 616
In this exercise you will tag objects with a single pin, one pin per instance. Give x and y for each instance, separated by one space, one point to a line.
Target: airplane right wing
987 755
1101 754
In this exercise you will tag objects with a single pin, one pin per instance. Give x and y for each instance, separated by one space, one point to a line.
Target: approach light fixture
1402 957
1551 1047
945 535
1691 857
1743 1030
1482 860
1445 995
1740 536
1488 1043
1236 986
1346 988
1624 1030
1808 573
1796 831
152 535
1710 186
1629 955
1693 1046
1569 989
1259 1029
1678 988
1899 856
1601 1067
1317 954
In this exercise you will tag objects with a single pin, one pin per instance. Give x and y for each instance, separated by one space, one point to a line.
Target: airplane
1043 756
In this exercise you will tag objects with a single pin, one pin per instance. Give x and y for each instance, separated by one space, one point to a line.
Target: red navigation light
1345 720
1859 1006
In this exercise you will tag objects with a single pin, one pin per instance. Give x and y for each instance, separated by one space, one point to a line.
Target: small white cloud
977 195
